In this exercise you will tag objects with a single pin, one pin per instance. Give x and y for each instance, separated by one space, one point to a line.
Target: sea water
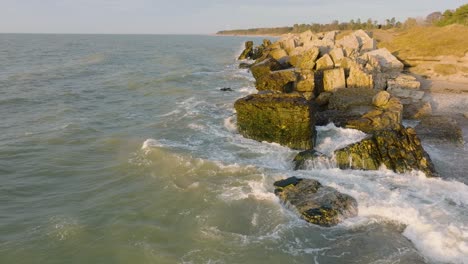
123 149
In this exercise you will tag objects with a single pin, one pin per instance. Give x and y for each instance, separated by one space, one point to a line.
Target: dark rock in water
244 65
301 158
287 119
317 204
226 89
440 129
399 150
248 51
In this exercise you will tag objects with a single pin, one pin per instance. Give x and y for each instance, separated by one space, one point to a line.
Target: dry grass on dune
428 41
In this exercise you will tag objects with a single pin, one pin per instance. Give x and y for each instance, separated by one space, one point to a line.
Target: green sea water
123 149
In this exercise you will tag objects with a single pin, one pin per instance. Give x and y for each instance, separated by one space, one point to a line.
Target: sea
124 149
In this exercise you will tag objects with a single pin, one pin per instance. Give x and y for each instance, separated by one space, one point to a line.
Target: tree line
457 16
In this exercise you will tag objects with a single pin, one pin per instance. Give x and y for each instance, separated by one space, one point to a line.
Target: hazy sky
197 16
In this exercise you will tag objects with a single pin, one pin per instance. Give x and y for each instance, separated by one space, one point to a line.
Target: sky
197 16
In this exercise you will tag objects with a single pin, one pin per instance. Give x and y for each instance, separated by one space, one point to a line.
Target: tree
433 18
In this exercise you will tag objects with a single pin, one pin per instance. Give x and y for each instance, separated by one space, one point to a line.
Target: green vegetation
369 24
459 16
428 41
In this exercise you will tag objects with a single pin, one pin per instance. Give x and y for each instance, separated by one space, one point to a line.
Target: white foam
250 189
331 138
230 123
434 210
197 127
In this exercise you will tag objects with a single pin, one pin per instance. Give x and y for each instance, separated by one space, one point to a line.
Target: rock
337 55
286 119
266 43
399 150
304 58
349 42
403 81
384 117
334 79
386 60
359 79
244 65
281 81
465 115
289 43
366 43
305 81
325 63
347 99
226 89
278 54
440 129
338 117
317 204
306 36
331 35
414 95
301 158
381 99
417 110
247 53
323 98
369 45
265 67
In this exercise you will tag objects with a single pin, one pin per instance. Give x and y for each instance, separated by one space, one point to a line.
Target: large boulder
386 114
264 68
286 119
317 204
248 51
337 55
304 58
325 63
399 150
358 78
334 79
305 81
278 54
281 81
386 60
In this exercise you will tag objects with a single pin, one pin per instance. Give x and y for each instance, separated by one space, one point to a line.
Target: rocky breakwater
311 79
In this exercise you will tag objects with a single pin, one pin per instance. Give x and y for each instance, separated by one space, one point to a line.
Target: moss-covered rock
280 81
358 78
305 81
262 68
248 51
399 150
317 204
325 63
286 119
304 58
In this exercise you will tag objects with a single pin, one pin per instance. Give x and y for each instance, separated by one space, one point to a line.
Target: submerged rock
287 119
399 150
317 204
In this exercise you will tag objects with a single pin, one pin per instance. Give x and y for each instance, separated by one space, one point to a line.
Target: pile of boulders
311 79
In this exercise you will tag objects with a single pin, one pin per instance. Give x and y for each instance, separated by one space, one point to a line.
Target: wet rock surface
317 204
286 119
399 150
